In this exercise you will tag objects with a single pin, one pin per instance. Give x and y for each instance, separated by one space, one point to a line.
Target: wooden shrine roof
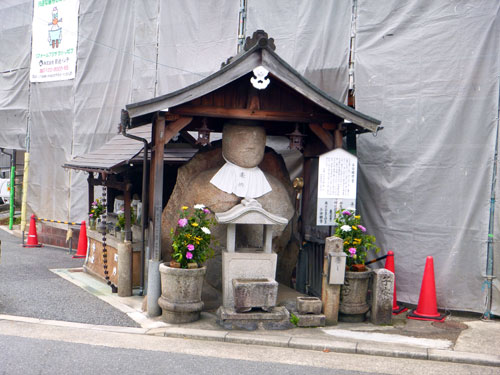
260 54
119 151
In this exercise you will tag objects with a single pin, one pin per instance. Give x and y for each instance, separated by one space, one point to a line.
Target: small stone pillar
330 294
382 296
124 250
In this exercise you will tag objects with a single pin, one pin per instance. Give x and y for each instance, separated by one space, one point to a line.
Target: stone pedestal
309 312
353 303
245 264
278 318
254 293
382 296
181 294
309 305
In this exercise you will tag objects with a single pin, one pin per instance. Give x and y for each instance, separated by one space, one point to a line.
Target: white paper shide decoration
260 81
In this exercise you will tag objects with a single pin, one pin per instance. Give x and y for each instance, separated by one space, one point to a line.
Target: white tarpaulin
429 70
55 34
15 21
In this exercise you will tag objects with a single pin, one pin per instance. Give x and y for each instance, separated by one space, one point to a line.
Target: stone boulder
193 186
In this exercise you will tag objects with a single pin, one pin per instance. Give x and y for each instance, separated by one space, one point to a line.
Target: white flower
199 206
345 228
205 230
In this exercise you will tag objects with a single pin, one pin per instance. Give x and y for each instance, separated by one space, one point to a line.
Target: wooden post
127 214
91 189
162 135
330 294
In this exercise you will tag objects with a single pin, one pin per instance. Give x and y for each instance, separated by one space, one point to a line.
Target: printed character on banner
55 29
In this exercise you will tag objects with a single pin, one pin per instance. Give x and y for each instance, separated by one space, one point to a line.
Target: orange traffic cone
427 305
81 252
32 237
389 265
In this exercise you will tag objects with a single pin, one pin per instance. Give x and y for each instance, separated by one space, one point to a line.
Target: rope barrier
58 221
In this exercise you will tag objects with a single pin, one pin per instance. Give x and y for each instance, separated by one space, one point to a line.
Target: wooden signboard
337 179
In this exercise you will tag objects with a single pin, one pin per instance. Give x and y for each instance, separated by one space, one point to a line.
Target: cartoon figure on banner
55 30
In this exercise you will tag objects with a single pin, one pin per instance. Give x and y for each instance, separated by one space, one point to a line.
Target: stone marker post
382 296
124 269
330 294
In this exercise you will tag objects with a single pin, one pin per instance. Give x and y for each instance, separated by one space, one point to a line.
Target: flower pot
353 296
181 294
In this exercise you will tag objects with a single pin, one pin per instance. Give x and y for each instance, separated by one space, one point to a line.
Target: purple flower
206 210
189 255
182 222
347 213
91 215
362 228
352 250
190 247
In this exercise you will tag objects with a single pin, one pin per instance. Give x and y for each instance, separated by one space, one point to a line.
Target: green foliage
356 242
121 219
96 209
192 236
294 319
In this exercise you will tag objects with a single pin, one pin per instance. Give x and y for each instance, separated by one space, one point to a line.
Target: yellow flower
194 224
357 217
346 242
357 241
354 227
184 207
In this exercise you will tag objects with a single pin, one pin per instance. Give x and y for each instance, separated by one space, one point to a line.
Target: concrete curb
366 348
285 341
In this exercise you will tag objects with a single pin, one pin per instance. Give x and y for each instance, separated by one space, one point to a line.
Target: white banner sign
337 179
55 31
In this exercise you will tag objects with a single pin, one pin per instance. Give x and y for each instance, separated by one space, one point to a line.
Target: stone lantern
248 285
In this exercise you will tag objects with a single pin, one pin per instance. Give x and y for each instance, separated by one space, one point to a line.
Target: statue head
243 144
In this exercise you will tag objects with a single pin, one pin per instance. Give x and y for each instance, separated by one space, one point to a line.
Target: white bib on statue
242 182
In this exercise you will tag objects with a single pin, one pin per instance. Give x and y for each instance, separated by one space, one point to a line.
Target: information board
337 179
54 40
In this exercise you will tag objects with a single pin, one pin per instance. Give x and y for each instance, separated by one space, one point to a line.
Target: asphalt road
28 348
28 287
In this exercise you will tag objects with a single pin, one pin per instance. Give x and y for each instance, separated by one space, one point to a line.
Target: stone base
352 318
245 264
177 313
179 318
277 319
311 320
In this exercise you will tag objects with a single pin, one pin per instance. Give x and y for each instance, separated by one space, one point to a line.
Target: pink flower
206 210
347 213
182 222
190 247
352 250
189 255
363 229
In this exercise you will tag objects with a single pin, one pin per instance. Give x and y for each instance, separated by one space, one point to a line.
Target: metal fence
310 268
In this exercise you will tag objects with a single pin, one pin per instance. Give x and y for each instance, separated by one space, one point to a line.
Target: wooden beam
324 135
253 114
173 128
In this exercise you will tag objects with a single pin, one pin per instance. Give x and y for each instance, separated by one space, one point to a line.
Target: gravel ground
28 287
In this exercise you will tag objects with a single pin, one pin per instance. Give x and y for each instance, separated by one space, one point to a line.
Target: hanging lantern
203 134
296 139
